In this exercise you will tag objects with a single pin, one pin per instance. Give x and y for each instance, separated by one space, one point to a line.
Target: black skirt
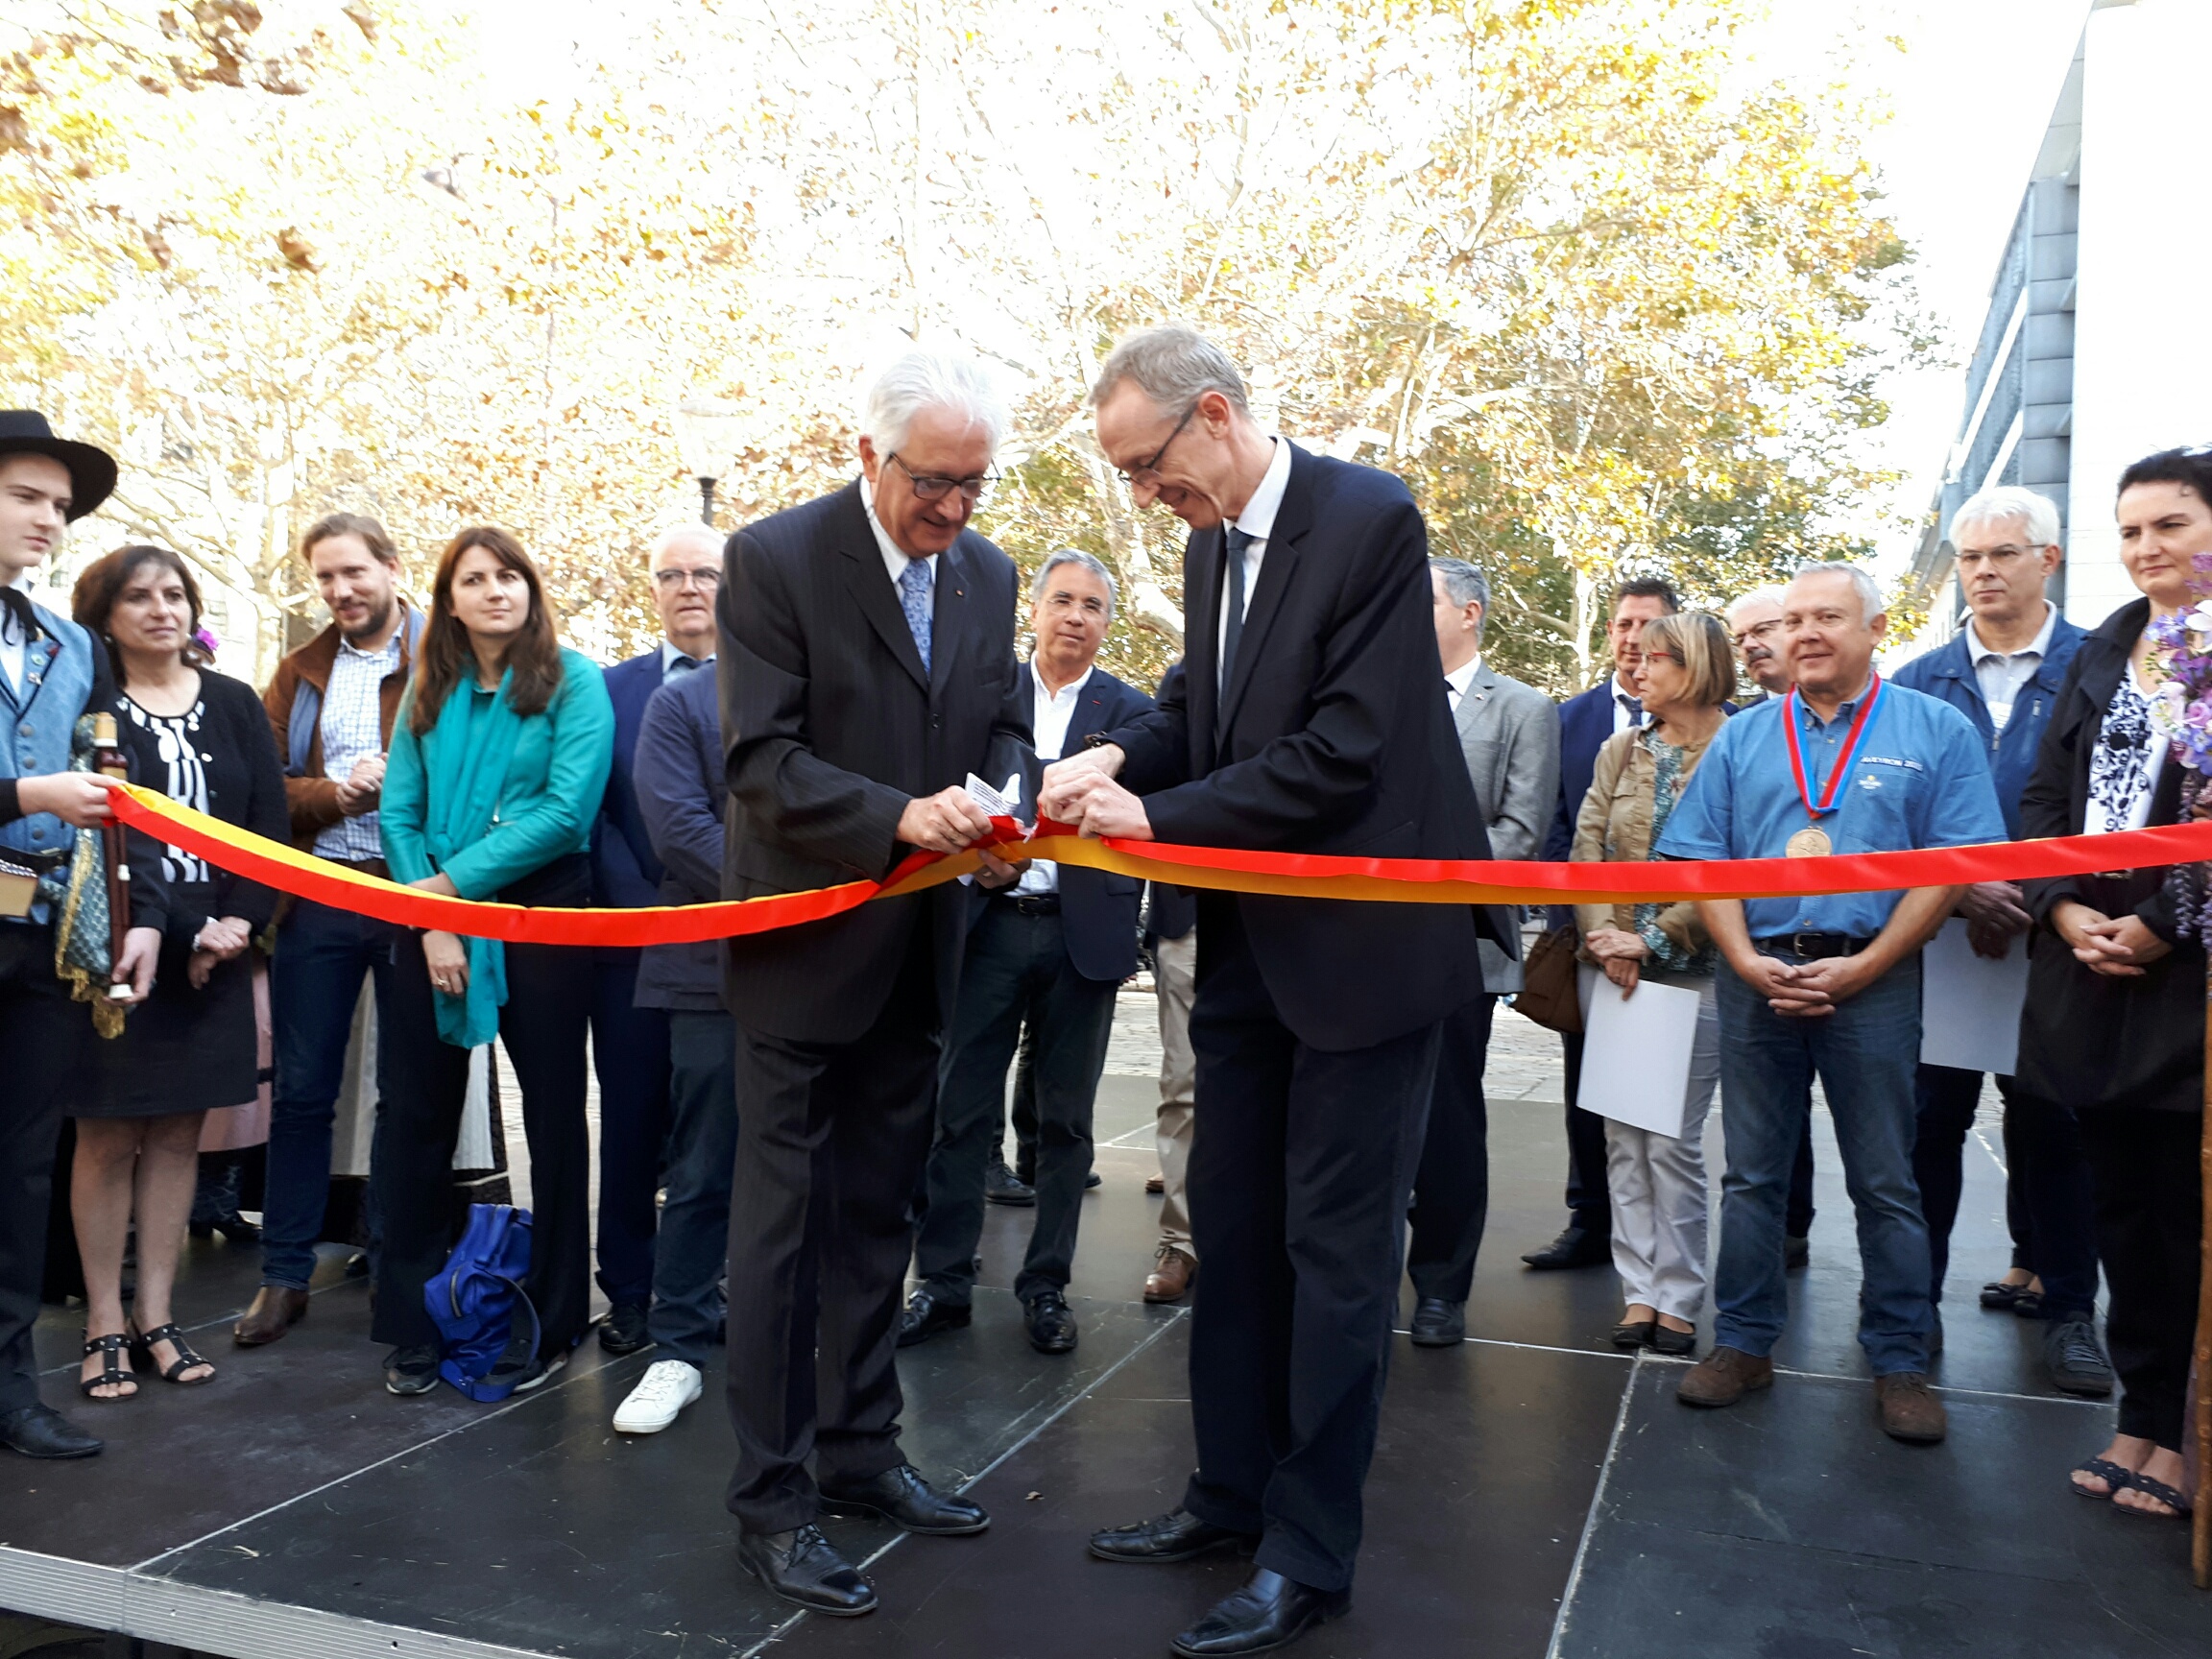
182 1049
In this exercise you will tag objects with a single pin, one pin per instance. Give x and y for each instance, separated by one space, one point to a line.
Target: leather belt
1812 946
1029 903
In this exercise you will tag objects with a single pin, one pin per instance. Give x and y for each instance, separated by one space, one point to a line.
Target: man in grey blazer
1509 733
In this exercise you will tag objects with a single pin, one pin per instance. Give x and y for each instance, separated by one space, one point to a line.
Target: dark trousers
314 986
1299 1178
43 1036
693 1242
1589 1200
831 1141
2149 1219
1021 1112
630 1053
2049 1196
1015 976
549 1010
1452 1188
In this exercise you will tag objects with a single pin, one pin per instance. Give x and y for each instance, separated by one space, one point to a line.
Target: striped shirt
353 730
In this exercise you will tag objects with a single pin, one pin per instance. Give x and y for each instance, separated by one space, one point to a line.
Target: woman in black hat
50 672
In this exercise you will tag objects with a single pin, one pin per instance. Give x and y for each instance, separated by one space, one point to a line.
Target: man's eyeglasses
1148 472
933 489
2004 558
1761 631
674 581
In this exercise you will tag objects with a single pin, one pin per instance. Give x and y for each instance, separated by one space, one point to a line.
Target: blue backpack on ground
474 1299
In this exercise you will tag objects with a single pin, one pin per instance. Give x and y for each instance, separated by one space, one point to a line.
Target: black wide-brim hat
91 471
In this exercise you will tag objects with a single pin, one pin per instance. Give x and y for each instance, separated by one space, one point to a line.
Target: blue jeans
693 1241
1865 1054
314 983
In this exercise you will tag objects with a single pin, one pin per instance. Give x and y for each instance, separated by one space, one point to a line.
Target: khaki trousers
1175 976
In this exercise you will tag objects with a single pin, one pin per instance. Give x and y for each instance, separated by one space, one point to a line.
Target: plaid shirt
353 727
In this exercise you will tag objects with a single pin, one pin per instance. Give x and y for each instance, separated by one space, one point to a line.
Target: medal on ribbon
1812 841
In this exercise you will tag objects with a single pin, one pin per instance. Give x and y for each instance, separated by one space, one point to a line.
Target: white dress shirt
1457 683
12 646
895 562
2001 673
1257 521
1049 713
1626 710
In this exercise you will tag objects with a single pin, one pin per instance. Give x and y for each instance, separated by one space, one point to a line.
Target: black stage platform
1535 1494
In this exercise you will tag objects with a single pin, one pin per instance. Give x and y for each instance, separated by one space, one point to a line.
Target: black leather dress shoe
1270 1611
805 1567
41 1431
1439 1323
1575 1248
925 1317
1051 1323
1176 1536
623 1329
903 1497
1001 1185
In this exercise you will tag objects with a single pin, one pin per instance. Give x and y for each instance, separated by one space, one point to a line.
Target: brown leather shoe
1908 1409
1172 1278
1724 1377
275 1309
1155 1185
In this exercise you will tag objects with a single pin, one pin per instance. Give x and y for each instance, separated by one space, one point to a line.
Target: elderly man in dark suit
1047 956
1586 721
630 1040
1305 717
1509 735
867 668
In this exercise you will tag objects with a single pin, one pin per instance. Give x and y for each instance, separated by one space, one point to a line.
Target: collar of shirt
2037 648
1846 710
895 562
385 655
1462 678
1257 520
1051 712
670 651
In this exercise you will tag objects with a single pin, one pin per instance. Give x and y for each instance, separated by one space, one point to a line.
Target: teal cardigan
489 797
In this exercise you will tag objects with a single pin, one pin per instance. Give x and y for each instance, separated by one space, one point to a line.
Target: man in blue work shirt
2002 671
1828 986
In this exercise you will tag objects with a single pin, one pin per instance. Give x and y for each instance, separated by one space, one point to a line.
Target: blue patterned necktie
914 584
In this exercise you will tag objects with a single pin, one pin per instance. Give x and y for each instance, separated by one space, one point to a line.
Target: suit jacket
1947 673
1332 735
1509 733
624 872
1585 722
830 726
1098 908
681 798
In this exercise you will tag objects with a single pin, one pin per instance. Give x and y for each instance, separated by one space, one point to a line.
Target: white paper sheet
1970 1005
998 803
1636 1053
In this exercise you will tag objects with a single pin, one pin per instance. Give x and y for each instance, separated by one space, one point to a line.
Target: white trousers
1657 1181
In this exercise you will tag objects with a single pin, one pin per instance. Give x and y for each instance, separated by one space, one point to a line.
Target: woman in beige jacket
1658 1182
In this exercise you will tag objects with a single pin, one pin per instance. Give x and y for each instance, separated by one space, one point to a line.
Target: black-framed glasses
1148 472
1758 631
936 488
706 581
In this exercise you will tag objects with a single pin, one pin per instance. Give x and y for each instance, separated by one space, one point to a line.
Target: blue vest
40 715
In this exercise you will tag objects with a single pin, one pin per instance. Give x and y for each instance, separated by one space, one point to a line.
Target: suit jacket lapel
872 590
1292 519
948 619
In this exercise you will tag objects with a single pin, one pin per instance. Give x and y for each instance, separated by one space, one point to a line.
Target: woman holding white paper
1658 1181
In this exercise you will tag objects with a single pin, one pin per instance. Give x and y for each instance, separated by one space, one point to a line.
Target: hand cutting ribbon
1234 870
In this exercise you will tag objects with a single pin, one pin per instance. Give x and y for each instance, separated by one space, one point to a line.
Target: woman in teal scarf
499 759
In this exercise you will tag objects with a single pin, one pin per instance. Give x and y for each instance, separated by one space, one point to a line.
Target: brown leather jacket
298 726
1615 827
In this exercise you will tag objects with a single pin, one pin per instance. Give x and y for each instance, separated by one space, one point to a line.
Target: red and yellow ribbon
1282 874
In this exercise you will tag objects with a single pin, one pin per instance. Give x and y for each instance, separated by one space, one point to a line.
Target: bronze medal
1810 842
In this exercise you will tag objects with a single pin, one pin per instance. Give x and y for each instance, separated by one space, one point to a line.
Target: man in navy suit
2002 671
1047 953
1305 717
630 1043
1585 722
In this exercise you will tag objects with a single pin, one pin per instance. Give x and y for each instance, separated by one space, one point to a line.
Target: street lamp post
706 433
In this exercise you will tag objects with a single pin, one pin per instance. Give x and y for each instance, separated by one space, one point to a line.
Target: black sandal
2169 1496
111 1372
1998 1297
143 1350
2103 1468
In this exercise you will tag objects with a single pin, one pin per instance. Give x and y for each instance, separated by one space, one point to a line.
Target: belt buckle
1798 945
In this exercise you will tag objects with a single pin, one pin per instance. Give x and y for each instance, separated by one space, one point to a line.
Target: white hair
705 535
925 379
1174 366
1768 596
2007 504
1871 603
1061 555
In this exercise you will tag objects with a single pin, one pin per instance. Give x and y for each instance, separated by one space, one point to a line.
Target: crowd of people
791 1122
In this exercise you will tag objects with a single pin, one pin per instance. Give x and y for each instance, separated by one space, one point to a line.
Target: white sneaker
667 1386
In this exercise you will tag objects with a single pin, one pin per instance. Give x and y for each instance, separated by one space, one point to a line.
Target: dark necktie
682 665
1239 540
17 604
1634 705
